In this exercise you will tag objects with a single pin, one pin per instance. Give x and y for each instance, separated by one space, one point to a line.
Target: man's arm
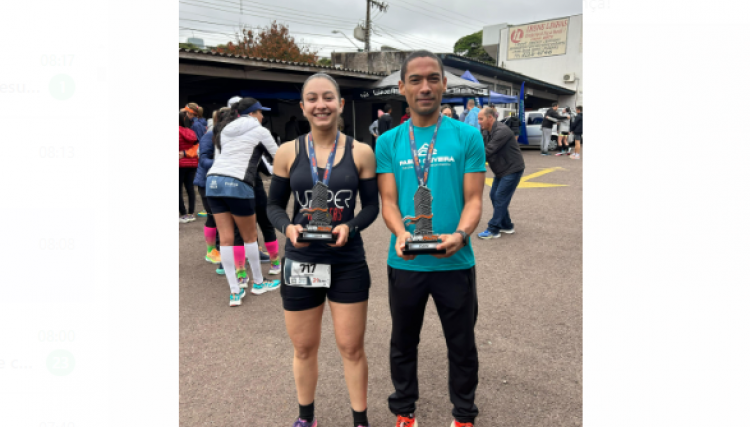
391 212
470 216
556 115
472 213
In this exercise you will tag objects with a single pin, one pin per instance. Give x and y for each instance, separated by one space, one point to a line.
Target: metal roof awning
484 69
387 88
220 65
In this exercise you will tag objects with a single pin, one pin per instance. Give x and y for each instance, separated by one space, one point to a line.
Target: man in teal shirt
455 178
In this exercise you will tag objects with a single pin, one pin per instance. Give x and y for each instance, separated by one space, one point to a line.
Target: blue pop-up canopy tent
494 97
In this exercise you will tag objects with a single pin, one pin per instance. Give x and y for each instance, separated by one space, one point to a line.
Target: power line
436 15
411 36
414 39
275 13
471 18
402 43
292 33
398 41
409 39
450 21
285 10
417 39
257 15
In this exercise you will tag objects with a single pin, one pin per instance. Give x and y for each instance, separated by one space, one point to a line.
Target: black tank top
342 198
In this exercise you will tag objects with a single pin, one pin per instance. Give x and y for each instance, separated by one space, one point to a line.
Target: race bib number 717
307 275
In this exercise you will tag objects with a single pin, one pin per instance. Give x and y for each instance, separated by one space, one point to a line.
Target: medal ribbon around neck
314 160
422 173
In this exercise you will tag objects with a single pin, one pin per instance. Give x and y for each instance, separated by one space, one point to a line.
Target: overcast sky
407 24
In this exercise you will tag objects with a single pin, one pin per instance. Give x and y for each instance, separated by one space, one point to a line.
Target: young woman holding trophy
324 254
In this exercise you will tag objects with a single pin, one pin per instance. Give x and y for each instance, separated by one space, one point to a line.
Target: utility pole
367 28
383 7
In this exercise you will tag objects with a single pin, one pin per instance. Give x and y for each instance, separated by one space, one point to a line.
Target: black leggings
261 203
187 175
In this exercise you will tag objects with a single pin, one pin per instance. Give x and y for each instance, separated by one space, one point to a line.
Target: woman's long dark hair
228 116
185 121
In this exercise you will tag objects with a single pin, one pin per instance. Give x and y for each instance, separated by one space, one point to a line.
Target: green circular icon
60 362
62 87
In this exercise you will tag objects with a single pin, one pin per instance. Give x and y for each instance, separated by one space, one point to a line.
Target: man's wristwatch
464 236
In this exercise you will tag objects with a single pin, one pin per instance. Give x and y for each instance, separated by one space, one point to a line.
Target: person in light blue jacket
472 117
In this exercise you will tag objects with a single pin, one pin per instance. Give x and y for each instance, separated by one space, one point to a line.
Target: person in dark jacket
514 123
385 122
291 129
551 117
195 112
205 161
188 165
576 128
506 161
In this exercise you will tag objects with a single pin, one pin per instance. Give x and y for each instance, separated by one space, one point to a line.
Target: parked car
534 130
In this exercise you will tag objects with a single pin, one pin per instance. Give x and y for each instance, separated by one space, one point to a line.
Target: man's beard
426 112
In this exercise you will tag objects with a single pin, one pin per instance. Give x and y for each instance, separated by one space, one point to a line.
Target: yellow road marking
525 184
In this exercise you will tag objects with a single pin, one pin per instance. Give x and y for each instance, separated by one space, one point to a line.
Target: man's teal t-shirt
459 149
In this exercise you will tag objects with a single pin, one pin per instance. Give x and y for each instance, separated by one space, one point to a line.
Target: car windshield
535 119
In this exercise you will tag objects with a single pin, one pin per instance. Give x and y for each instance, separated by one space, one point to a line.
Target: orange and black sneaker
406 421
459 424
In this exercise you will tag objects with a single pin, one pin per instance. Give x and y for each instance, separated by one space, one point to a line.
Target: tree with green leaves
463 47
325 62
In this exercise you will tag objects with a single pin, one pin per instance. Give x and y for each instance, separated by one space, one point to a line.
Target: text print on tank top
340 200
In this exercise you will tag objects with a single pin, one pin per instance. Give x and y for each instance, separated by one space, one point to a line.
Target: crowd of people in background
563 126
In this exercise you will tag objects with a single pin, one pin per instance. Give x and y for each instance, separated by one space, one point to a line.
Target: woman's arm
268 142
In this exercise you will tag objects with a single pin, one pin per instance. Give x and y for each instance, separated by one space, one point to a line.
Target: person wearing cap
195 112
233 100
240 141
264 256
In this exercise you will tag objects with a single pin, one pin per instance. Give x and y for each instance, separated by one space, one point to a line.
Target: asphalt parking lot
236 363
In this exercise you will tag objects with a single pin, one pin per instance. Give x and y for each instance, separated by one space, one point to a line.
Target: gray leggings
546 137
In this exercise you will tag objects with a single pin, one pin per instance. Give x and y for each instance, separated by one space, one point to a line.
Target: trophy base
316 236
421 246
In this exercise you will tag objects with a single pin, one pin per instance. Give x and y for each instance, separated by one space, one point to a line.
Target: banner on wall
537 40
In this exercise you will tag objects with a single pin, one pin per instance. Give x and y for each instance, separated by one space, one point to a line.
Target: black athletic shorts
350 283
237 207
564 133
